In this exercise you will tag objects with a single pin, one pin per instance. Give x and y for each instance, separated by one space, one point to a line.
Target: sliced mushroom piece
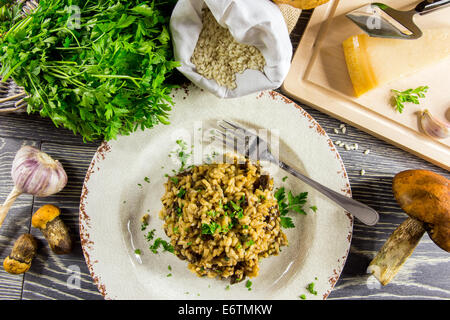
425 197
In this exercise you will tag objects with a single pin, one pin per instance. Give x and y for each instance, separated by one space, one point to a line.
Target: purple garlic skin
434 127
35 172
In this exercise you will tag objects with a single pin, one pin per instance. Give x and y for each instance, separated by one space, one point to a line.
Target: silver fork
256 148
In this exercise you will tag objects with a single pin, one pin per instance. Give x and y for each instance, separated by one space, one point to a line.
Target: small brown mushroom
425 197
22 253
47 220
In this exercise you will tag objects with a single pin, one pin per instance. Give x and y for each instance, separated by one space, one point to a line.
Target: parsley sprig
408 96
291 203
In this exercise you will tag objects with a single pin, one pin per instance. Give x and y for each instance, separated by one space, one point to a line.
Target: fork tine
247 133
232 141
231 124
223 137
236 127
238 133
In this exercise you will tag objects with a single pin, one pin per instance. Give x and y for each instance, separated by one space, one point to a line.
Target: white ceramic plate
125 181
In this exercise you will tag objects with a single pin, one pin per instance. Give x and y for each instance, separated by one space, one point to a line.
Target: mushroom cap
22 253
14 266
425 196
43 215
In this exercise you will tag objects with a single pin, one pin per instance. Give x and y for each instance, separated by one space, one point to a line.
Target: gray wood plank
63 276
18 220
24 126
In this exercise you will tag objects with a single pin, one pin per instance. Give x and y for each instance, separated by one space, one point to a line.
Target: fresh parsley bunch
98 68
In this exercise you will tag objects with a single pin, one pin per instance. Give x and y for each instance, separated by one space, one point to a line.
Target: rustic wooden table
426 274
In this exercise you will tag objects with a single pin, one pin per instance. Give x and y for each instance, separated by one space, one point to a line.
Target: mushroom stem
397 249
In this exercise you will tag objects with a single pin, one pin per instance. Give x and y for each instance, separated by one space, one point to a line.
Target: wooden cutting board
319 77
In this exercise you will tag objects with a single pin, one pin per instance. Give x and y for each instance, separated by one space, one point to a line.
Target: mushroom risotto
222 218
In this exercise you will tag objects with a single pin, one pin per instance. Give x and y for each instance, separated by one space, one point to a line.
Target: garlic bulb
34 172
434 127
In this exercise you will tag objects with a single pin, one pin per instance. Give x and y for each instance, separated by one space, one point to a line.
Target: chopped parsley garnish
232 210
410 95
227 287
313 208
160 242
174 180
209 228
147 179
182 154
150 235
310 288
235 206
284 178
179 211
144 225
181 193
211 213
248 285
250 243
303 297
169 275
214 226
137 251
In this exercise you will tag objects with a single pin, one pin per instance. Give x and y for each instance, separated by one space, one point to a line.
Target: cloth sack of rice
231 47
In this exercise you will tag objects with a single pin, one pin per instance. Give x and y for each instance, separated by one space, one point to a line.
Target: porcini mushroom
48 220
22 253
425 197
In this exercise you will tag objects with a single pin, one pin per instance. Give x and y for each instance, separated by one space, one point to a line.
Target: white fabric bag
253 22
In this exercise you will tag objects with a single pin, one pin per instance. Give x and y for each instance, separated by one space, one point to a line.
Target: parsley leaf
181 193
160 242
310 288
292 203
286 222
408 96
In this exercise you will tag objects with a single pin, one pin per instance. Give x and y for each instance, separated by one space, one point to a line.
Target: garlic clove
432 126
